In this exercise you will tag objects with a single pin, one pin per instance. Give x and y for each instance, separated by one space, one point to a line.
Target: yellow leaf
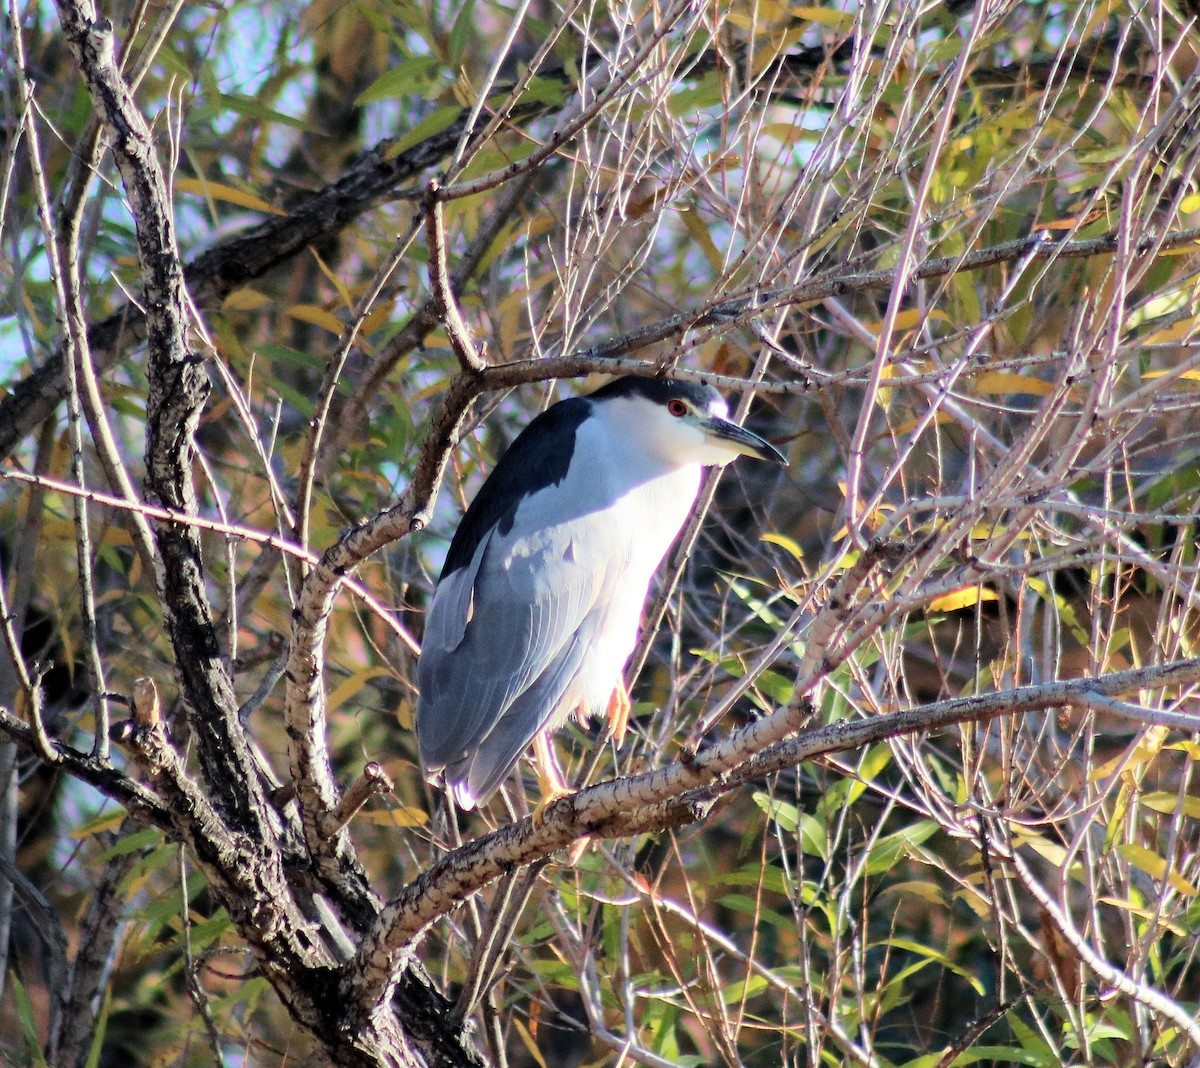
216 191
1168 803
963 597
396 816
913 887
789 546
1145 751
873 520
375 318
334 278
910 318
1046 849
1191 376
1157 868
108 821
787 133
1143 913
759 16
1191 748
1005 384
311 313
841 21
981 906
699 232
530 1044
245 299
940 419
347 688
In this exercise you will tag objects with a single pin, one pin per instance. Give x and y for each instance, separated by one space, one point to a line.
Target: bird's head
681 423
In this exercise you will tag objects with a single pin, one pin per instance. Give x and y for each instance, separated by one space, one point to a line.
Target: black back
538 457
541 455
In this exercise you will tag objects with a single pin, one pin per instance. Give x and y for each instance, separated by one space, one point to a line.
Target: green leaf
252 109
1040 1054
755 874
463 25
292 357
813 837
890 848
1006 1055
419 75
97 1046
750 906
706 93
777 687
935 956
786 815
204 933
28 1021
550 91
873 762
131 843
441 119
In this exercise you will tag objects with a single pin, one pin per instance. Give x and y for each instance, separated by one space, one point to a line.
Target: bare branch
444 302
682 792
371 781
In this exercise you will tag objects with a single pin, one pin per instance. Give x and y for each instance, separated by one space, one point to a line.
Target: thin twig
1153 999
232 530
575 118
64 278
318 423
904 269
370 782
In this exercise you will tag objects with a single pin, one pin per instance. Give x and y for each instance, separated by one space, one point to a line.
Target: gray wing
477 775
496 627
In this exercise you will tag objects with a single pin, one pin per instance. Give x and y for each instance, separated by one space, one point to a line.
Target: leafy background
764 192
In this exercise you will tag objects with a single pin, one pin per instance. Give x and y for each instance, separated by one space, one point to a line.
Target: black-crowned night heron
538 603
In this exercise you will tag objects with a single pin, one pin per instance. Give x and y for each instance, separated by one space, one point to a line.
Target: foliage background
951 244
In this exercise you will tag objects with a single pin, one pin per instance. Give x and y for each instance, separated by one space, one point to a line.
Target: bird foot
550 777
550 794
619 707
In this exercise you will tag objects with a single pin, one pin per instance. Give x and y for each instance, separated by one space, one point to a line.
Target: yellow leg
549 774
553 786
619 707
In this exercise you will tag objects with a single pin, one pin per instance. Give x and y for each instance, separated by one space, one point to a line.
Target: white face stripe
641 435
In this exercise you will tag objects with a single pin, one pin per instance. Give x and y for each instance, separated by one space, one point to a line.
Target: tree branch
178 389
682 792
308 754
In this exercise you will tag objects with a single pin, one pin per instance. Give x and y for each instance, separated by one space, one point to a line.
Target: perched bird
538 604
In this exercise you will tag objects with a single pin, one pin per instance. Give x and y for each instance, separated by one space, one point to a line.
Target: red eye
677 408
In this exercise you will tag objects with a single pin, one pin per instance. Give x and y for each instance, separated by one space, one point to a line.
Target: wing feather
494 644
485 768
454 603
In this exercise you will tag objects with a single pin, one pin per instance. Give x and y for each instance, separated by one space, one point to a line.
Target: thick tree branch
178 388
311 771
681 792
